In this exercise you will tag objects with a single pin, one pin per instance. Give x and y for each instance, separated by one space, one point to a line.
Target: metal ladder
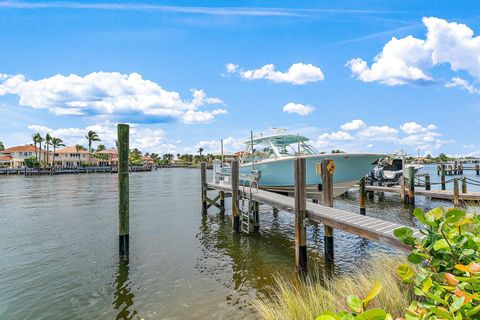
246 215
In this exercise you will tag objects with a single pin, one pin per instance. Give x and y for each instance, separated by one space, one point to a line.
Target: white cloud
353 125
146 139
379 133
415 128
298 73
230 144
408 60
462 84
300 109
336 136
107 94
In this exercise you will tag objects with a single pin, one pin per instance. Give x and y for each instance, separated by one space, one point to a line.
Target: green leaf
377 287
414 258
372 314
418 213
454 216
405 272
457 303
354 303
436 213
427 284
403 233
347 317
441 244
325 317
440 313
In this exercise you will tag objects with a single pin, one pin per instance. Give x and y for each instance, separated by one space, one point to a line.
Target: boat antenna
253 154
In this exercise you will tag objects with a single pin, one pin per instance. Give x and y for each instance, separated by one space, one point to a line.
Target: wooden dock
360 225
432 194
331 218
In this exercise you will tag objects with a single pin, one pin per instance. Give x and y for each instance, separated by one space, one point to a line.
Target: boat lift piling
363 196
300 216
327 201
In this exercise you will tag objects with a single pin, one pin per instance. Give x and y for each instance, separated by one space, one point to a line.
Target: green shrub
446 280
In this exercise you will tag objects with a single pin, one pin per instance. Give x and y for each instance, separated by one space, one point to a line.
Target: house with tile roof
14 157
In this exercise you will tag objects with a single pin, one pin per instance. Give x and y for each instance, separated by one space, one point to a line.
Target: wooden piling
464 185
235 181
203 181
256 215
438 170
222 200
300 216
327 200
427 182
456 201
123 189
442 176
363 195
402 189
411 185
477 169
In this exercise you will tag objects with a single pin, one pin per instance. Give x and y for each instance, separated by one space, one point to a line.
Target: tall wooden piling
427 182
442 176
300 216
456 201
327 200
363 196
411 185
235 181
123 189
402 189
256 215
477 169
464 185
222 200
203 181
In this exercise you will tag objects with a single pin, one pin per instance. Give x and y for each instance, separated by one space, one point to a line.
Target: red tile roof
6 158
71 149
25 148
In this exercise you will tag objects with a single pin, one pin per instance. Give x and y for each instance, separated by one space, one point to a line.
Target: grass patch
293 298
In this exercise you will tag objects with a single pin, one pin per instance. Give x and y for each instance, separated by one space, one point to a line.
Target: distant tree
135 157
31 162
48 141
79 148
101 147
91 137
338 151
2 147
200 150
40 140
178 156
56 143
36 138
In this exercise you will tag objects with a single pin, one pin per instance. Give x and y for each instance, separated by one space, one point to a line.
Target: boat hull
278 174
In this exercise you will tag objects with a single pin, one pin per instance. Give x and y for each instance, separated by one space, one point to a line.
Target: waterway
59 243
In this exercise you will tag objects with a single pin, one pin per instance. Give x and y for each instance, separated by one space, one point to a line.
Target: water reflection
123 297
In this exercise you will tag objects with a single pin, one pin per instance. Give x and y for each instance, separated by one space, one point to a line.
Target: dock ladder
246 215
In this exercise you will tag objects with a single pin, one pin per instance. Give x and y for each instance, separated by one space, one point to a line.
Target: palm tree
200 150
40 140
56 143
48 141
101 147
79 148
91 136
36 137
2 147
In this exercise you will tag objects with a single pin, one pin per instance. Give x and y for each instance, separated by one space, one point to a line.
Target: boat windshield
273 147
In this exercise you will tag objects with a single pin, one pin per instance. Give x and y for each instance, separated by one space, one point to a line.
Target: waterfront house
106 158
14 157
148 161
70 157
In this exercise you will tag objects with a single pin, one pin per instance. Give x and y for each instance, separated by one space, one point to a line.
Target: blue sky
312 68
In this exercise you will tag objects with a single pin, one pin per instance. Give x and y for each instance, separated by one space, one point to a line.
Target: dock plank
433 194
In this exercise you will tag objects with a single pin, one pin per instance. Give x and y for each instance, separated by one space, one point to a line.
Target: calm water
59 249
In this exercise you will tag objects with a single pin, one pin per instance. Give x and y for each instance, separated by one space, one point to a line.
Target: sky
359 76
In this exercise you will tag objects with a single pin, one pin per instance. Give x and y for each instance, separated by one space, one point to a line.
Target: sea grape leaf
377 287
354 303
372 314
405 272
